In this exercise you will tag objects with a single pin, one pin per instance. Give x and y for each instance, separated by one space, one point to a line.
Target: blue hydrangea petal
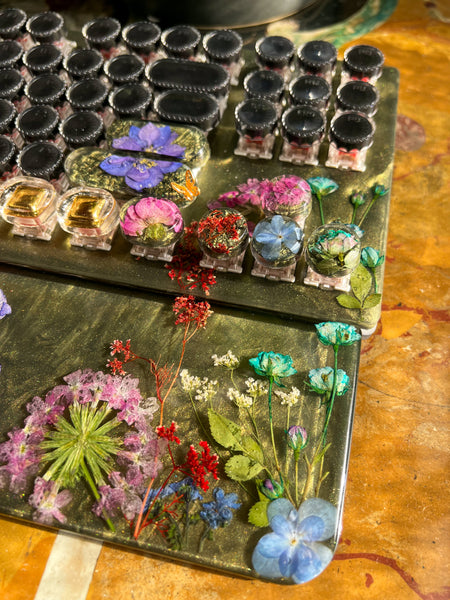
288 561
323 509
311 561
272 545
277 224
282 526
312 528
266 567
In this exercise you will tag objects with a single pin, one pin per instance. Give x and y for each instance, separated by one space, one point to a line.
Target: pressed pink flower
47 500
151 211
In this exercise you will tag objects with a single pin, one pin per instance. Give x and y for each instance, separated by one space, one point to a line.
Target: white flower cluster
256 388
207 390
241 400
189 383
289 398
228 360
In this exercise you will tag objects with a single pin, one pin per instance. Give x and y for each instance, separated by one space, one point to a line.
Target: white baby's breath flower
228 360
207 390
255 388
289 398
241 400
189 383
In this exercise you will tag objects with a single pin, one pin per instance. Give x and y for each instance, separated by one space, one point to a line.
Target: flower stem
319 199
355 208
277 465
94 490
332 397
369 206
375 282
296 481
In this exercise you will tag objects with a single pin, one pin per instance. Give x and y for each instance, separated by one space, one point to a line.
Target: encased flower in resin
277 241
222 233
321 381
287 195
151 138
333 250
151 221
332 333
139 173
293 549
273 365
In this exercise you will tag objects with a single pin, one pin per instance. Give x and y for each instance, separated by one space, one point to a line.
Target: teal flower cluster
337 334
273 365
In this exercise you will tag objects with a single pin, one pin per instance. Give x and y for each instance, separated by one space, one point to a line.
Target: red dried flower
185 267
118 346
168 433
198 466
116 366
190 311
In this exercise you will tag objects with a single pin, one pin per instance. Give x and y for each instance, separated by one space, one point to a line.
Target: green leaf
321 454
361 282
225 432
257 515
242 468
252 449
348 301
372 300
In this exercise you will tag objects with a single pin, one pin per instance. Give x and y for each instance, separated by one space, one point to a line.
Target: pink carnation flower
151 211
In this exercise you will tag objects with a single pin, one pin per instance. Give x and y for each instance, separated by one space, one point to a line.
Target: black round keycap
83 62
351 131
274 51
87 94
102 32
180 41
12 21
255 117
37 122
40 159
10 53
43 58
223 46
8 113
311 90
47 88
11 83
359 96
264 84
302 125
46 26
131 99
82 128
142 36
124 68
317 56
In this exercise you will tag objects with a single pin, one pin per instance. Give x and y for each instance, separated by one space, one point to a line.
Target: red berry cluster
168 433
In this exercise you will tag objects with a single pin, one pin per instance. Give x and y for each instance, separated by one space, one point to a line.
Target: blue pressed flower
151 138
139 173
371 258
5 308
275 233
271 489
184 487
272 364
219 512
322 186
293 549
297 437
337 334
356 230
321 381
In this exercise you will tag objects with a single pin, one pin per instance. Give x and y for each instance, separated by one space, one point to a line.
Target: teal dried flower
320 187
371 258
380 190
358 199
337 334
273 365
321 381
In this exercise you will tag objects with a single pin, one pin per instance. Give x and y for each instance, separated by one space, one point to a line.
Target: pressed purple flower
286 191
151 138
48 500
139 173
297 437
21 456
5 308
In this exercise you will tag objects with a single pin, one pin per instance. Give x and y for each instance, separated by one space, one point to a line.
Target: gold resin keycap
26 201
85 212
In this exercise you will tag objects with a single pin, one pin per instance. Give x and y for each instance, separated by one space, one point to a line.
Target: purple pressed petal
150 134
117 165
127 143
168 166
